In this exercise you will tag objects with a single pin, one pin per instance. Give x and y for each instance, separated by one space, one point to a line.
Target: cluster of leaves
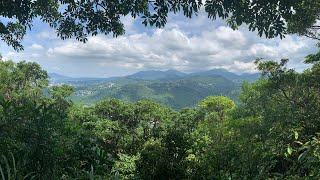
31 124
306 19
273 133
82 18
18 16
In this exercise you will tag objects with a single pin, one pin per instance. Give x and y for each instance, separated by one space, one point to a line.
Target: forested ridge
273 133
169 92
169 88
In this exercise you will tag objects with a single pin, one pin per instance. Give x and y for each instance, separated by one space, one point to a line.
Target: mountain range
155 75
172 88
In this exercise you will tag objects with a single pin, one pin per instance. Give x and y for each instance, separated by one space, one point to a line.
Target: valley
171 88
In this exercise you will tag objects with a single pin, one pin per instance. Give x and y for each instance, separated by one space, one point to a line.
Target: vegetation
169 88
170 92
273 133
83 18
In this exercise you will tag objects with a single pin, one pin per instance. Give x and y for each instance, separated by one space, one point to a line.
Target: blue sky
187 45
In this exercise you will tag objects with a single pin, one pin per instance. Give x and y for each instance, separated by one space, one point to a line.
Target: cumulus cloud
36 46
21 56
173 48
238 66
47 35
188 45
55 68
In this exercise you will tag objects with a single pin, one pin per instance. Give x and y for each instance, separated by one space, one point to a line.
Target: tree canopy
272 134
80 19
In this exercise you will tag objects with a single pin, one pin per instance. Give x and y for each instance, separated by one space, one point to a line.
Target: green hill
176 93
172 88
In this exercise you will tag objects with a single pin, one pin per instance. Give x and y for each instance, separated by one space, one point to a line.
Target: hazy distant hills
173 88
157 75
228 75
57 79
154 75
54 76
174 74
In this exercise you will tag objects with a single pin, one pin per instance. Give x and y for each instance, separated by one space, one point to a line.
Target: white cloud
175 49
128 22
239 67
55 68
36 46
35 55
21 56
188 45
47 35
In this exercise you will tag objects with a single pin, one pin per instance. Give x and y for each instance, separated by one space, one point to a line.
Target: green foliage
304 21
272 134
170 92
10 171
61 92
125 167
20 15
152 163
218 105
81 19
31 123
313 58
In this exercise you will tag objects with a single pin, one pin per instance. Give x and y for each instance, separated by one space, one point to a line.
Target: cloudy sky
187 45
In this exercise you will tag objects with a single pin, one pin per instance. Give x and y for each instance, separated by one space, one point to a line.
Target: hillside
174 93
228 75
172 88
157 75
153 75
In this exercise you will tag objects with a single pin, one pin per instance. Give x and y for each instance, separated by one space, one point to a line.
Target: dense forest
273 132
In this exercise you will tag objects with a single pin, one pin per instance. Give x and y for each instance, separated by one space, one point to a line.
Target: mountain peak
220 70
156 74
172 70
176 72
57 76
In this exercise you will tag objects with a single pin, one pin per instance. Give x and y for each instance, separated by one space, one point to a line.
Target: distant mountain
228 75
172 88
251 77
57 76
57 79
176 93
157 75
214 72
174 74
